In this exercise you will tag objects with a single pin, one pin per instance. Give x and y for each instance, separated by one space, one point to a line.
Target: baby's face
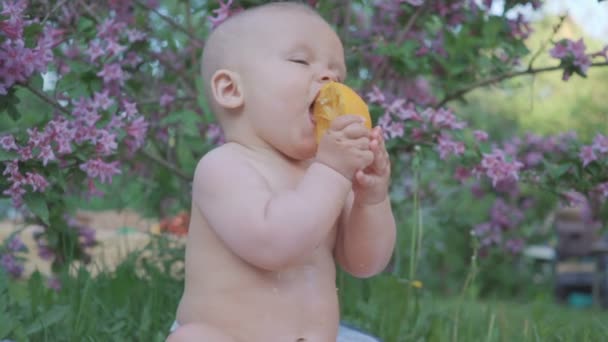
288 58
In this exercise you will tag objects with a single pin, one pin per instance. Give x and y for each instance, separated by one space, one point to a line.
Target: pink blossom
46 154
11 265
215 134
166 99
7 142
102 100
447 147
442 118
480 135
112 72
600 143
37 181
515 246
16 192
495 166
137 130
54 283
520 28
135 35
603 189
587 155
462 173
114 48
97 168
95 50
106 142
221 14
375 96
130 108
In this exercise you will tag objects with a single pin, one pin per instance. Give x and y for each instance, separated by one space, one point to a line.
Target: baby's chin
303 151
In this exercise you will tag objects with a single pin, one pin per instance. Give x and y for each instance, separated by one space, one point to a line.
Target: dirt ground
118 233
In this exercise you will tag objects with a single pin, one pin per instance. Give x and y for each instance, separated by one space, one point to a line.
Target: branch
556 28
166 164
171 22
502 77
148 155
399 39
47 99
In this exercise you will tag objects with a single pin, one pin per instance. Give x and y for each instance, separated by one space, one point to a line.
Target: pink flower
587 155
600 143
375 96
137 130
480 135
462 173
102 100
54 283
221 13
495 166
603 189
37 181
112 72
7 143
166 99
95 50
97 168
106 143
447 147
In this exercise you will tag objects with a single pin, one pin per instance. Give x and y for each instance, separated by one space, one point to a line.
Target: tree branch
171 22
496 79
556 28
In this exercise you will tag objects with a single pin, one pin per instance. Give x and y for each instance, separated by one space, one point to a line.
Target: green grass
137 302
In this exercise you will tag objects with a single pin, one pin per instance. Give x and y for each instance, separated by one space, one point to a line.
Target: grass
137 302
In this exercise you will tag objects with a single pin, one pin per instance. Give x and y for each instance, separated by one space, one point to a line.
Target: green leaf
7 155
6 326
559 170
49 318
36 202
31 33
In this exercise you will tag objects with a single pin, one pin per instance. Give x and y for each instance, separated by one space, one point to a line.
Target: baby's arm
270 230
366 237
367 229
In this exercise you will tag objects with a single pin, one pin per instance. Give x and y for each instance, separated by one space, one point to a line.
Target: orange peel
337 99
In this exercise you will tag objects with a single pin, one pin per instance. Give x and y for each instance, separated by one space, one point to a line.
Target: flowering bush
118 97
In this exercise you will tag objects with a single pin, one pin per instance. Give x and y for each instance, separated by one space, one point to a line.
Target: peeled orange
337 99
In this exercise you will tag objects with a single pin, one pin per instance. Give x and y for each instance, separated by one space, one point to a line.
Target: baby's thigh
196 332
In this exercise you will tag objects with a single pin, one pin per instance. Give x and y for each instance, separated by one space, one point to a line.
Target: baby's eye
299 61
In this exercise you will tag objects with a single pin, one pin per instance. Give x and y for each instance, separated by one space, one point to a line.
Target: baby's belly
296 305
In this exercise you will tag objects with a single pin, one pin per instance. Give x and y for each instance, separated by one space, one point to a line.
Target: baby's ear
226 88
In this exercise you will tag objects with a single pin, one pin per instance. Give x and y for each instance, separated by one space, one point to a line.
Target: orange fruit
337 99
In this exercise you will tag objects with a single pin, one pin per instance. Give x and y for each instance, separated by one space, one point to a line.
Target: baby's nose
328 76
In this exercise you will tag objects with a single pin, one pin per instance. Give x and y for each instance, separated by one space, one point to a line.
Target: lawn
137 301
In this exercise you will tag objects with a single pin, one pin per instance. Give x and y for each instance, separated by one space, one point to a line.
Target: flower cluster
504 219
599 149
10 260
574 58
17 61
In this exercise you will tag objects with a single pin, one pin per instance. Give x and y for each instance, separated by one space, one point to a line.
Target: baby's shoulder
220 164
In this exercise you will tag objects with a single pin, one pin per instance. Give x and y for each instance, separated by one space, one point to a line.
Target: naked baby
274 211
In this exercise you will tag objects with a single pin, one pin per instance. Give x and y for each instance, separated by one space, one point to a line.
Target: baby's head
262 69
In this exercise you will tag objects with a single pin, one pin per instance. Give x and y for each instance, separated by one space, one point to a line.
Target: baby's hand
371 183
346 146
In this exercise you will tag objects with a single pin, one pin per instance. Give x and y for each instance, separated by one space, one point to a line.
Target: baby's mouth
311 108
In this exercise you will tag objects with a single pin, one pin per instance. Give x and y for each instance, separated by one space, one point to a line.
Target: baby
273 212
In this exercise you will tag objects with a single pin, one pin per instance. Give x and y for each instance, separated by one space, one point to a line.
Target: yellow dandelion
417 284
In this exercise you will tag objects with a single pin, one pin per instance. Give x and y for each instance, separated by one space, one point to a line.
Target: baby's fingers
364 179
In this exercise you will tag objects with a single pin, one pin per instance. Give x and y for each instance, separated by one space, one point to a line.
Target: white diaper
345 334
